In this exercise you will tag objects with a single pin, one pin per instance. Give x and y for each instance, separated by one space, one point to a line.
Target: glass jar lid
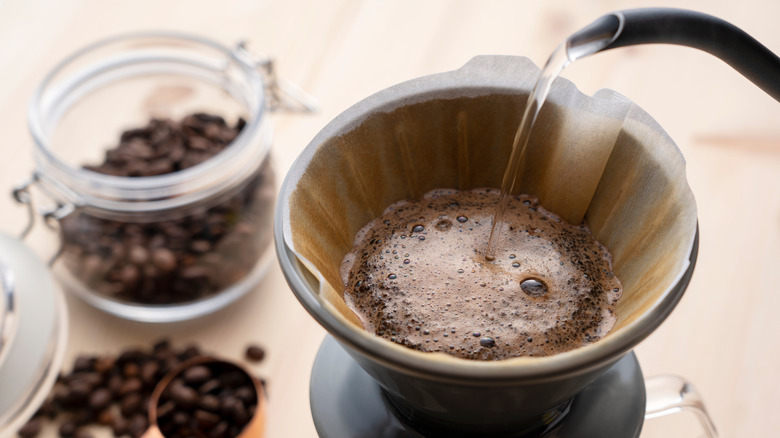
7 320
34 332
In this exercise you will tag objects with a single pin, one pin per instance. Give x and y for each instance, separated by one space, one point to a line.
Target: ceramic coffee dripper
455 129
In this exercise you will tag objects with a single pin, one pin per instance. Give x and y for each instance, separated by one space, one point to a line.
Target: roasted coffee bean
131 355
254 353
162 346
184 396
83 433
219 430
131 370
246 394
206 420
180 418
210 403
138 255
67 429
79 391
131 403
190 352
228 404
137 425
83 416
166 409
104 364
240 413
48 409
164 259
82 364
115 384
100 399
209 387
31 429
119 426
197 375
130 386
90 378
149 372
61 394
106 418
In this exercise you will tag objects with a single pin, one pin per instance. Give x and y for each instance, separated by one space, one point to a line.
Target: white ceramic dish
34 353
7 311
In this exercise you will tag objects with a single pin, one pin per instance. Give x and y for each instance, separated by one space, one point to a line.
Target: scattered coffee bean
137 425
172 260
106 418
119 426
31 429
131 370
114 392
67 429
130 386
79 391
131 403
149 371
83 363
100 399
255 353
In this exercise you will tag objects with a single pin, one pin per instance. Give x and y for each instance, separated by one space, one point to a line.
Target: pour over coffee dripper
362 382
361 158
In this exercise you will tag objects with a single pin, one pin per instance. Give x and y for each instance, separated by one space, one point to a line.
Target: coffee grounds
114 392
180 258
417 276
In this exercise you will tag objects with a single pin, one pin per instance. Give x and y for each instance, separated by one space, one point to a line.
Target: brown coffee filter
599 159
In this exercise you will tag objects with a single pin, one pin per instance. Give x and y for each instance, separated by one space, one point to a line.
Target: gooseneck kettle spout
682 27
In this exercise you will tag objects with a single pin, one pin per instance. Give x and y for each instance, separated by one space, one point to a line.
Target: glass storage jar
196 235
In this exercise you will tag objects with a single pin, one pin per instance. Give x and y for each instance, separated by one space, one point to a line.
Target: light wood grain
724 334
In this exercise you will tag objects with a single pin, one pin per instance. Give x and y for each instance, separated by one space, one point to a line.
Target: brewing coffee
418 276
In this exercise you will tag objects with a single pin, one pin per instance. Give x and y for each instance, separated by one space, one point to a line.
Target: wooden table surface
725 334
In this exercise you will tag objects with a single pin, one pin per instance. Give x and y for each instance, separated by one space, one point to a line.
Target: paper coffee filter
600 159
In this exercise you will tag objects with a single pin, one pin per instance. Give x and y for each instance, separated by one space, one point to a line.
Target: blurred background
724 336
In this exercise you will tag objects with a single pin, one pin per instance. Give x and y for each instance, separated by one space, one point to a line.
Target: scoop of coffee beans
214 399
175 256
114 392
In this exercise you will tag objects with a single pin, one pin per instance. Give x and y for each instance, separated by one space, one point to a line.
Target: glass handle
672 394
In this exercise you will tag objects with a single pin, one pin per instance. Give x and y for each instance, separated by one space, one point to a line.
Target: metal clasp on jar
281 94
51 216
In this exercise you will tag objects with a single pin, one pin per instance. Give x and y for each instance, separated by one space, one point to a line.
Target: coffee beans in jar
152 160
188 255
